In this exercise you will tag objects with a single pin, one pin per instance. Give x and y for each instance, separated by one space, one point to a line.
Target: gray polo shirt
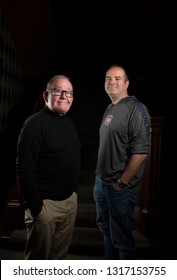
124 131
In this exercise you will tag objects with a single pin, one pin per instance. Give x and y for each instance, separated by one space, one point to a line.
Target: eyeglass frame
59 92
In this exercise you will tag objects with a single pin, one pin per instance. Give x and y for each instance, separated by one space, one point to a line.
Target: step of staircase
86 215
85 241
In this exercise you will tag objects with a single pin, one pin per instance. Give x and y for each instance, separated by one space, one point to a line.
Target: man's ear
127 83
45 96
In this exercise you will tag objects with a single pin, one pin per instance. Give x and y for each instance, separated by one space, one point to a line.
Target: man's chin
61 112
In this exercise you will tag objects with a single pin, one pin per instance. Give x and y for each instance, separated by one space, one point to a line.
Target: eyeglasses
59 92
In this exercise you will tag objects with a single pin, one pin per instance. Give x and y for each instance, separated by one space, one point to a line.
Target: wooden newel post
13 210
150 208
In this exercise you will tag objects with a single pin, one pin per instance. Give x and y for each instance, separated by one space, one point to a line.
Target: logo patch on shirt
108 120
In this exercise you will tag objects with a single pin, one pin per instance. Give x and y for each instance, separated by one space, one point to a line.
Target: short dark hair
122 67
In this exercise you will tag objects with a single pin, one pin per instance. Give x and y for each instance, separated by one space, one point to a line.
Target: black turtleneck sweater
48 158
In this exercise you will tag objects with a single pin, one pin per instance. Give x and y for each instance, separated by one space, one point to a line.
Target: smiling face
59 103
116 84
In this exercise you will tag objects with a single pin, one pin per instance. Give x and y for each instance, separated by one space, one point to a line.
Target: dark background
82 40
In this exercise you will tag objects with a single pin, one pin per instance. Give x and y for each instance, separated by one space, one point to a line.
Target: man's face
59 98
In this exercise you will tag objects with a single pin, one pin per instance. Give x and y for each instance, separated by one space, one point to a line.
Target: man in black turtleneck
47 166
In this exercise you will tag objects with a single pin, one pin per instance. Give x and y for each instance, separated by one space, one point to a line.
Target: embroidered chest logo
108 120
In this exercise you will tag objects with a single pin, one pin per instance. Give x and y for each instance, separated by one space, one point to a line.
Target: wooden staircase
87 238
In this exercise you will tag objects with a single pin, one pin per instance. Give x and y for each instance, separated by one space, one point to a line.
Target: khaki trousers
49 234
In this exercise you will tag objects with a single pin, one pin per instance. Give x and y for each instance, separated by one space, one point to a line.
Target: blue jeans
115 216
